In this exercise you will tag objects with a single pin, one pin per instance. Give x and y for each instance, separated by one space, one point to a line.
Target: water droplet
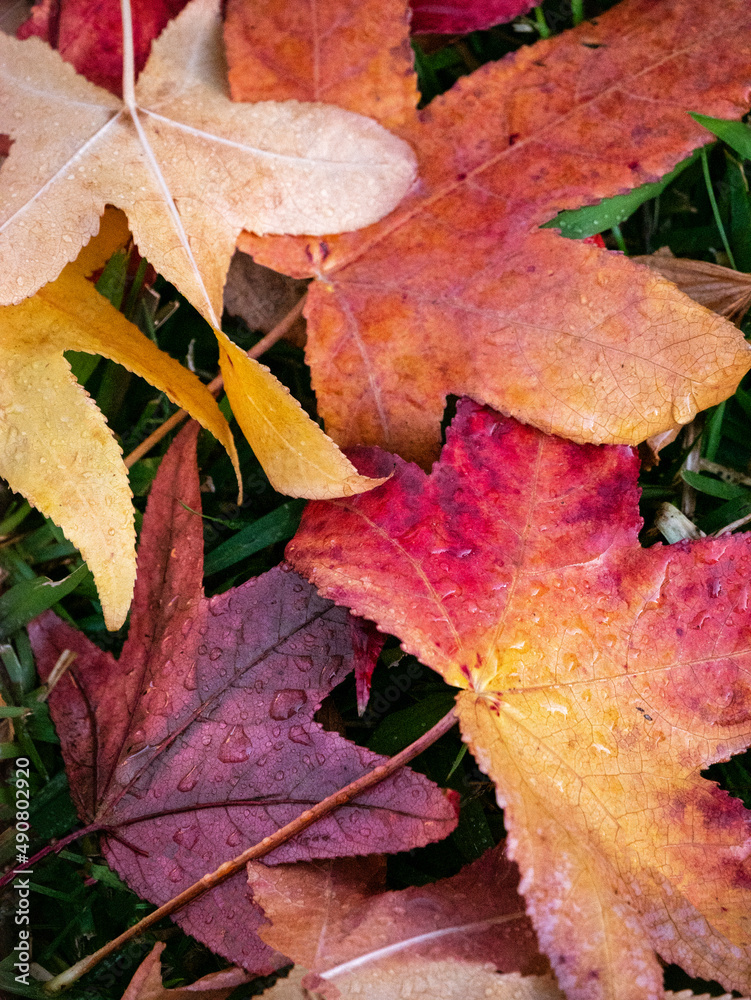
189 781
215 653
236 747
176 874
298 735
279 776
684 409
234 839
287 703
203 649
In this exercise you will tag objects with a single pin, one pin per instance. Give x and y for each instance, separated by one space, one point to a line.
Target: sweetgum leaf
337 920
190 169
457 291
199 740
598 679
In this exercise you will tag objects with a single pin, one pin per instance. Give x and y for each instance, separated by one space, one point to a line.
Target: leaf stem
715 209
216 384
265 846
49 849
129 69
577 11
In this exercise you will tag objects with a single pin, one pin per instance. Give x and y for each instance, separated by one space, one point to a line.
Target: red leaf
598 678
199 741
89 33
457 17
335 917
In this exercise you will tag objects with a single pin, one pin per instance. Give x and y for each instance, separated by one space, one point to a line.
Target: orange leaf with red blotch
457 291
598 679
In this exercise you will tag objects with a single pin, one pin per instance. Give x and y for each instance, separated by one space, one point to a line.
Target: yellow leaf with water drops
55 446
296 455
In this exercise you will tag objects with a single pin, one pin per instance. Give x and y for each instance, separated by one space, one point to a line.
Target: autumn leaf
64 459
199 741
458 291
90 35
190 169
598 679
146 984
721 289
459 17
337 920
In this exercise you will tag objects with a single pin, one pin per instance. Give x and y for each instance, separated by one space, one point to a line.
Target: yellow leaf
113 235
55 446
297 456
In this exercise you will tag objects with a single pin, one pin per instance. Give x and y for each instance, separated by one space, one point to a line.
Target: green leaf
729 512
715 487
736 134
277 526
52 811
30 598
399 729
579 223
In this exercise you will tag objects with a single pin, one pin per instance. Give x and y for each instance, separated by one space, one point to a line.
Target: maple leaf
199 740
65 460
190 169
337 920
598 679
458 291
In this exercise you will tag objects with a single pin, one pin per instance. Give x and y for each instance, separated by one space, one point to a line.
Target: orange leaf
720 289
598 679
146 984
458 292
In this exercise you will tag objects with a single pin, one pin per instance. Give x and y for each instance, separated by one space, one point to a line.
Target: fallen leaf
216 747
338 921
457 291
356 56
296 455
146 984
282 168
289 988
721 289
190 169
64 459
89 35
458 17
598 679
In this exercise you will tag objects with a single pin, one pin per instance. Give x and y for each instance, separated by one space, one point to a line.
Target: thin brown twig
265 846
216 384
